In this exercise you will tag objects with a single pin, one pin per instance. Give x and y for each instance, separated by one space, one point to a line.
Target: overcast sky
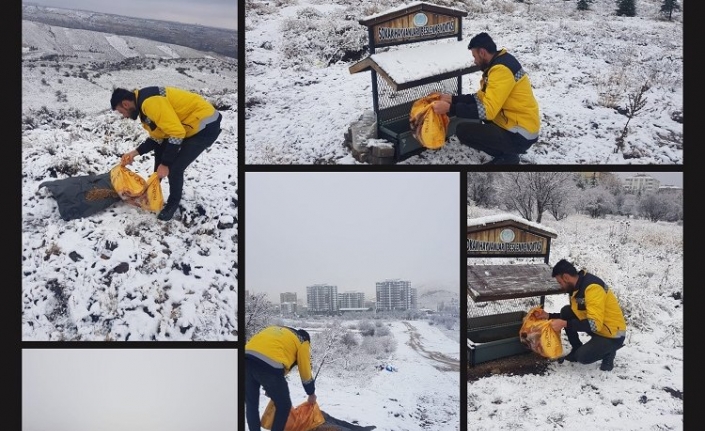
211 13
666 178
129 389
350 230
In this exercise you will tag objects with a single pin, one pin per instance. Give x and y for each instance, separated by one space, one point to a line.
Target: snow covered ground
584 66
423 394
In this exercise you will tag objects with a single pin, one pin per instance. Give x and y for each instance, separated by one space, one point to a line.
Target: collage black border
12 176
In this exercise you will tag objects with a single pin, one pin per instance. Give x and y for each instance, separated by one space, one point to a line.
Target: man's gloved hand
312 399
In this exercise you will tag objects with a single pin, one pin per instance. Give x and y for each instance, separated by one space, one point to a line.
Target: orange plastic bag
126 183
303 417
135 190
539 336
428 127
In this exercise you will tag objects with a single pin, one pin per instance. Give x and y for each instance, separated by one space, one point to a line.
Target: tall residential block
351 300
287 302
322 298
395 295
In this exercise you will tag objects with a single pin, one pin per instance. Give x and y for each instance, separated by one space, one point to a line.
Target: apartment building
322 298
395 294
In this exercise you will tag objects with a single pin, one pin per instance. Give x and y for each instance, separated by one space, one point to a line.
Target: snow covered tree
548 187
259 313
515 193
597 202
533 193
481 188
626 7
670 6
660 206
327 345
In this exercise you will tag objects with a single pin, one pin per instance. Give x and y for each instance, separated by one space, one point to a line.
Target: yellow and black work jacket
596 307
171 115
505 98
282 347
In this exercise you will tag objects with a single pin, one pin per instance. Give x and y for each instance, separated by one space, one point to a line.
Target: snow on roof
411 64
406 6
481 221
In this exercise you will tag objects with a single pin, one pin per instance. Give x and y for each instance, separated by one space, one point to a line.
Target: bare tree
659 206
547 187
597 202
637 101
259 313
328 346
515 192
610 181
533 193
563 204
481 188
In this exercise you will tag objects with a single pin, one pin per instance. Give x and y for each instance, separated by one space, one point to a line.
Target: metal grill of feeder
498 298
499 295
394 107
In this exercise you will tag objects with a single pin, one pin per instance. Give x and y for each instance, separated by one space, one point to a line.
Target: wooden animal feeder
402 76
506 284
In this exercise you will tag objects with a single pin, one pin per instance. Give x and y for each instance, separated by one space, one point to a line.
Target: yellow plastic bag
539 336
303 417
135 190
428 127
126 183
154 200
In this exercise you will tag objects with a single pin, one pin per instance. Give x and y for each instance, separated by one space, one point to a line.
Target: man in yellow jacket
593 309
269 356
180 124
505 107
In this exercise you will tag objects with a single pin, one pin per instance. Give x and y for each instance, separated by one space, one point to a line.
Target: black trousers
190 149
259 374
593 350
491 138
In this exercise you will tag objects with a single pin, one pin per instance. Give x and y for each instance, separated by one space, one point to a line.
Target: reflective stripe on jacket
173 114
505 97
597 308
282 347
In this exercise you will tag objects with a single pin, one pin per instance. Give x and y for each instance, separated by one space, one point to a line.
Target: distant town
391 295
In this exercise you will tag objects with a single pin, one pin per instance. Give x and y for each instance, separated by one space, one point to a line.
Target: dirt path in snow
443 362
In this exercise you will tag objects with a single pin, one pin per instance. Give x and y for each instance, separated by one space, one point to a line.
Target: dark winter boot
608 361
570 357
168 211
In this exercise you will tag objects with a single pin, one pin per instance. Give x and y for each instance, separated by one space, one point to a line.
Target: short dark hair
303 334
120 94
483 40
564 267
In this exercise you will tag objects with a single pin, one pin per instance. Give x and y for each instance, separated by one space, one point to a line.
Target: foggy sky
350 230
129 389
211 13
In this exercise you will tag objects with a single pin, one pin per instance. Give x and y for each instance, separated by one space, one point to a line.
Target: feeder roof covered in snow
477 223
437 60
409 67
405 9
